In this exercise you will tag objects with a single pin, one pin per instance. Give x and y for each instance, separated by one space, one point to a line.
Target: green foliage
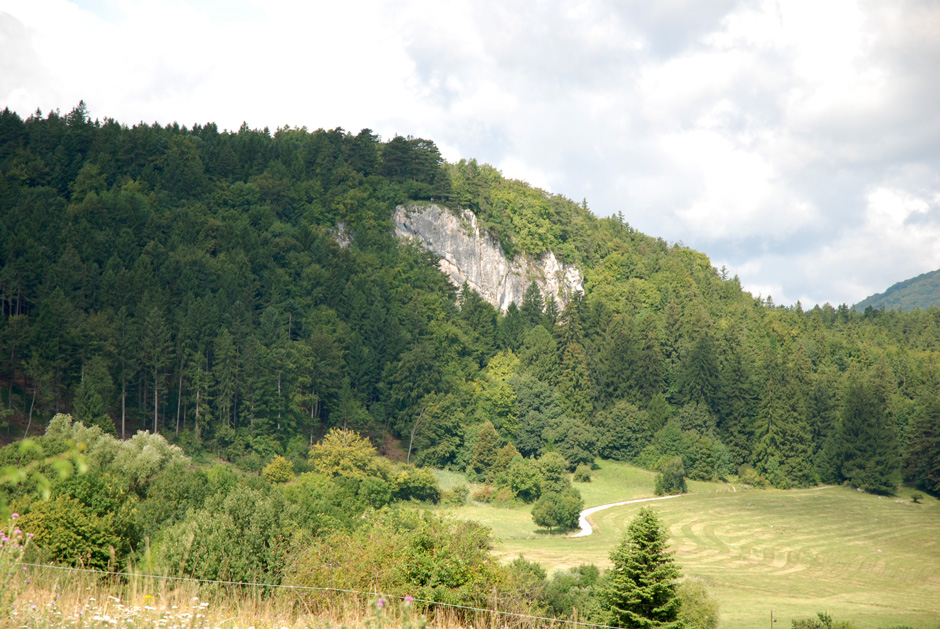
345 453
554 468
134 461
868 454
408 553
242 291
27 468
504 458
623 431
68 532
524 479
171 494
246 536
641 588
582 474
916 292
456 496
697 609
574 589
279 470
558 509
485 450
671 478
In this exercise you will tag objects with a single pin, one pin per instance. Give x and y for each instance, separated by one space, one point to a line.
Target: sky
795 143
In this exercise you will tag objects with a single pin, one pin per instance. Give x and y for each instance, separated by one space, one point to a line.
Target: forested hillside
922 291
191 281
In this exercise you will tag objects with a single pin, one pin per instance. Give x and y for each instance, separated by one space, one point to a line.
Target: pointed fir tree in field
642 586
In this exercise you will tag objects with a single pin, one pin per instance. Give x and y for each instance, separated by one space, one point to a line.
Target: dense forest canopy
191 281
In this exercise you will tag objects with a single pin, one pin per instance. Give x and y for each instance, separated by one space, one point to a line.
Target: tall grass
57 599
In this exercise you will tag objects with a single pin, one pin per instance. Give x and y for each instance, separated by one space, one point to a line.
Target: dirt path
587 529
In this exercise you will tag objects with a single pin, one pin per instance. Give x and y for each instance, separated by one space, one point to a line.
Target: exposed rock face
472 256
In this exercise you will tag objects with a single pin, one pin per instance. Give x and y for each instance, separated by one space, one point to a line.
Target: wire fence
277 586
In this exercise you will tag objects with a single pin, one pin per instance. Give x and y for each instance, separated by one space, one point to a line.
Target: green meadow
870 559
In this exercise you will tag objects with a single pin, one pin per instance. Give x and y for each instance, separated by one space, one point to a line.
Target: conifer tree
641 588
485 450
574 383
532 305
869 459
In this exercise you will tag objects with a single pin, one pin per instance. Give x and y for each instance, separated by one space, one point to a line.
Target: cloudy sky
796 143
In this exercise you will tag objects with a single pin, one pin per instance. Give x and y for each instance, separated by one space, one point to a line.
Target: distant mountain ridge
922 292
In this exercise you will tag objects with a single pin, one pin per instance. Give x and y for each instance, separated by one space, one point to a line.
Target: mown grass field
869 559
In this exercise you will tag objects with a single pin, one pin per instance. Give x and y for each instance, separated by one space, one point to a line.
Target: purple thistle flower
409 598
15 515
380 603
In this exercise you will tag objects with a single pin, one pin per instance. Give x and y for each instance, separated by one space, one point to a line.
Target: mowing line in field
587 529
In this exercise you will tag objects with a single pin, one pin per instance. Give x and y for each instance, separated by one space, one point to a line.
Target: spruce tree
485 451
641 588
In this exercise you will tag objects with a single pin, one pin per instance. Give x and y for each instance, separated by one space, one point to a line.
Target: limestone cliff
468 254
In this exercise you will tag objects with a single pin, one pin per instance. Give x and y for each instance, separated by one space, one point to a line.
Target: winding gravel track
587 529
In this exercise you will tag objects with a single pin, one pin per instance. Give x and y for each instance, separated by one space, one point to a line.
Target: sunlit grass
869 559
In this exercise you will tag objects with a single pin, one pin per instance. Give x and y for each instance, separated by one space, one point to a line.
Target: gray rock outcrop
468 254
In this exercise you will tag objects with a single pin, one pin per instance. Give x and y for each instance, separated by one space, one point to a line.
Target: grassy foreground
868 559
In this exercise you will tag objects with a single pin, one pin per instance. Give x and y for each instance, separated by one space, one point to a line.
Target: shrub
410 483
408 552
486 494
916 497
456 496
345 453
279 470
558 510
134 461
244 536
575 588
554 470
582 474
671 480
67 532
749 476
170 495
697 608
524 479
504 458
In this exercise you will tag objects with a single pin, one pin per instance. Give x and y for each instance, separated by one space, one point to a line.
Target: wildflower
15 515
409 598
380 603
